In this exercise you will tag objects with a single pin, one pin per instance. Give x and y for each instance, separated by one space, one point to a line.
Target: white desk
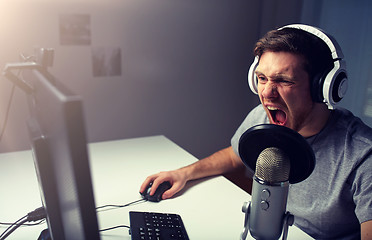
210 208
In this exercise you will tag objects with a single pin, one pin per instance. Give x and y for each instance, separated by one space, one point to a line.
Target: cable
36 215
40 214
11 229
120 206
7 113
25 224
112 228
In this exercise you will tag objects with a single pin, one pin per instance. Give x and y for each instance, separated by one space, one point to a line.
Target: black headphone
329 87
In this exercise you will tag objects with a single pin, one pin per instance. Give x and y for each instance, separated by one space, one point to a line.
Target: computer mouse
164 186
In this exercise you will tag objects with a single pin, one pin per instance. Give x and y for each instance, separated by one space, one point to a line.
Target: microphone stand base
287 221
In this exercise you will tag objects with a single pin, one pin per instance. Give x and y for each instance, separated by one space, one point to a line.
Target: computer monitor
58 141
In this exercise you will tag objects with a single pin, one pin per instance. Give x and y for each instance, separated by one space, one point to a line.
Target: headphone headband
331 87
328 39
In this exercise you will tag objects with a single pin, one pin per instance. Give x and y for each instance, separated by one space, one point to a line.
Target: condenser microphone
279 156
269 194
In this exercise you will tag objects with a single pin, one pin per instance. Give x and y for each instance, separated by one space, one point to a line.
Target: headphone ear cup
335 84
330 86
336 89
339 87
252 78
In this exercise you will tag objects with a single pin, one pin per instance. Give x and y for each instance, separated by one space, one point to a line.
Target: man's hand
176 177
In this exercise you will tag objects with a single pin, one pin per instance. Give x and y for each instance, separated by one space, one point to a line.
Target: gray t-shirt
333 201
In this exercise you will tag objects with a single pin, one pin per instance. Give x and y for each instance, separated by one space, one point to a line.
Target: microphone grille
273 165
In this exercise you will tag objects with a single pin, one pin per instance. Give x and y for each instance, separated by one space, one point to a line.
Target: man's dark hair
318 58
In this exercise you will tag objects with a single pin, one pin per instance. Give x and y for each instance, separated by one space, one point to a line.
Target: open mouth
278 116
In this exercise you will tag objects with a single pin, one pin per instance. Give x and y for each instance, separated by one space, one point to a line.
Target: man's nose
269 90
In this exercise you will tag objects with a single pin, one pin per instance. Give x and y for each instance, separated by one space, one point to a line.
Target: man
335 201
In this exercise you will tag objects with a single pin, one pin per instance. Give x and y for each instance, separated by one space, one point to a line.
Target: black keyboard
156 226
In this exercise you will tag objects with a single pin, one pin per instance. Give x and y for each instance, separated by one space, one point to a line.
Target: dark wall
181 71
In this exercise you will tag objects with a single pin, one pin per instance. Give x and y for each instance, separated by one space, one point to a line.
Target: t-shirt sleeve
362 187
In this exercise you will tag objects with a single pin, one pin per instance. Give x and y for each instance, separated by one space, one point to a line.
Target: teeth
272 108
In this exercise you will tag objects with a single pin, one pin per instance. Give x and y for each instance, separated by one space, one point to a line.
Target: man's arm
366 230
221 162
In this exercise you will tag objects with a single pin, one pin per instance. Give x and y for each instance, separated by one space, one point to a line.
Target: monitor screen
58 141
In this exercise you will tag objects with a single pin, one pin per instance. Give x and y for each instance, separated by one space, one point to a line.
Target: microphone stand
246 209
287 221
